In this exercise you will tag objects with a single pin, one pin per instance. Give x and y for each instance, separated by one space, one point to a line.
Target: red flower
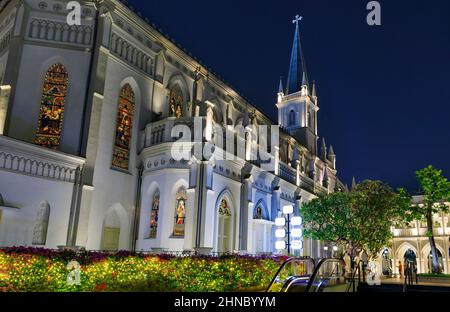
100 287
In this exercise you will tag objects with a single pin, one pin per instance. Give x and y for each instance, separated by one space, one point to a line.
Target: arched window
154 215
292 118
124 124
176 102
51 113
180 213
224 229
260 211
309 119
41 225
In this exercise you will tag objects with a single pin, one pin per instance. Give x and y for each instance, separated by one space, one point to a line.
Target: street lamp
289 233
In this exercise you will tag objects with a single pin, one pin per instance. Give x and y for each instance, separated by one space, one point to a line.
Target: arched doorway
262 229
430 261
111 232
225 227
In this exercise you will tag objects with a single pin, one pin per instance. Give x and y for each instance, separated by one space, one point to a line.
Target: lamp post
289 232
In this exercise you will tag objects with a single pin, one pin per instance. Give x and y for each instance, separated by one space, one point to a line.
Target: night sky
384 91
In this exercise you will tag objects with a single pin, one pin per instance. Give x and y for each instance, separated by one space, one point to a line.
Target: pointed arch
260 211
178 96
180 212
51 112
403 248
115 228
124 128
154 215
176 101
41 224
225 222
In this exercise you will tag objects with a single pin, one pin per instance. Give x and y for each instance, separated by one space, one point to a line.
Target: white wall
35 62
27 193
168 181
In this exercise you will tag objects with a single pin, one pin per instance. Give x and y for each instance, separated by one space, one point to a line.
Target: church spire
280 87
323 150
280 91
313 92
297 75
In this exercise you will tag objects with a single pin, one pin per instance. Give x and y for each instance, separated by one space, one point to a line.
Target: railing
288 173
29 159
358 274
414 232
160 132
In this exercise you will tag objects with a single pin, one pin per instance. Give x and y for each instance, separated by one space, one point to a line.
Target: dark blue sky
384 92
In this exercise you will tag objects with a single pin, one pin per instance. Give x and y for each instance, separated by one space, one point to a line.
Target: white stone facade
75 192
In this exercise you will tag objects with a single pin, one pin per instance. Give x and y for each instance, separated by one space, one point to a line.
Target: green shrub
37 270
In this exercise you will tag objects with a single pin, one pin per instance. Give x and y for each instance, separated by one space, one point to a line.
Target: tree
436 190
360 220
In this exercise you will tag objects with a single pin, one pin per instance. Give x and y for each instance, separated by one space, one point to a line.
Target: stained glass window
224 234
51 113
154 215
176 102
224 208
258 213
124 123
180 213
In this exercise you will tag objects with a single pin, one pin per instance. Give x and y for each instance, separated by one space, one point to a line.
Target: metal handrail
316 270
286 262
357 270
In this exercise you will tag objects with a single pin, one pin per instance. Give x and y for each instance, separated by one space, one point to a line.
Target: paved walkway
396 280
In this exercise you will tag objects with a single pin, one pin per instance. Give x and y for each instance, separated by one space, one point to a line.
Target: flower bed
35 269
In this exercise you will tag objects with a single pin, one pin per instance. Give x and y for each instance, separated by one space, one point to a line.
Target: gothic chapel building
86 119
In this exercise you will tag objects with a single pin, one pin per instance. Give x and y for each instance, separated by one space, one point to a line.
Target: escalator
305 275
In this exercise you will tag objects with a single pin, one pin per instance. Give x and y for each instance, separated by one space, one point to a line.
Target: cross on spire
297 76
297 19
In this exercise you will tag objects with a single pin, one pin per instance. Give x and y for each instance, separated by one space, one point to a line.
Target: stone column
200 204
12 68
245 213
5 92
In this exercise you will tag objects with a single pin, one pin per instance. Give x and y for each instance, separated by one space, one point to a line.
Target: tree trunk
435 261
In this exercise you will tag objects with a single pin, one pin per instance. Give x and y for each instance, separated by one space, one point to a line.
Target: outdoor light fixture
280 233
297 244
325 248
280 245
335 248
280 221
289 230
297 233
296 221
289 209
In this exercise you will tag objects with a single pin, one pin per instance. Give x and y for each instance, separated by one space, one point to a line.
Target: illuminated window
154 215
176 102
224 208
51 113
124 123
260 211
180 213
